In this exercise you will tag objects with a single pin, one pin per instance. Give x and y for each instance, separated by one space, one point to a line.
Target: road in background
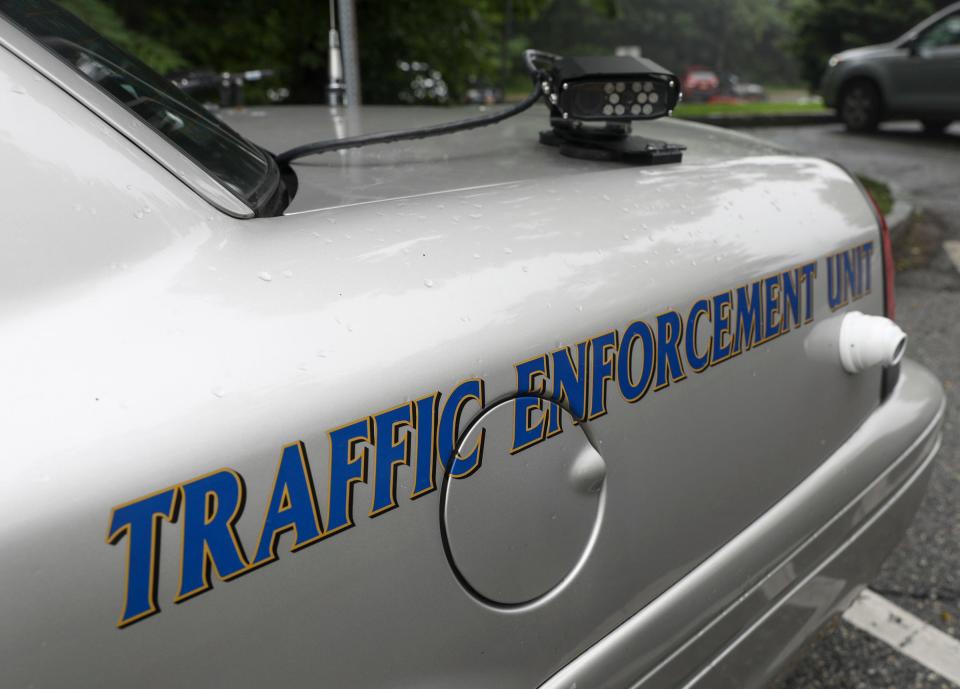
923 574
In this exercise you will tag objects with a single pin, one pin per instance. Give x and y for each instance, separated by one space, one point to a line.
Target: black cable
408 134
530 58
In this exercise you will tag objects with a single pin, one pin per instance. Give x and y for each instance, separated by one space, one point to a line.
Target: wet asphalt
923 574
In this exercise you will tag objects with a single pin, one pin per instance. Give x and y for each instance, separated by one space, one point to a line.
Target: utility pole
335 85
349 50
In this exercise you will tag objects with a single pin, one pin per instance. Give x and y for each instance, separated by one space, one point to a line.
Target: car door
928 77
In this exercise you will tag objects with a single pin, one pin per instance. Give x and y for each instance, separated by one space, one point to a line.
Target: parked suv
915 76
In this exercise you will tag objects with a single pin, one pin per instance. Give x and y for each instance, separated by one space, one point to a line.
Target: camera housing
611 89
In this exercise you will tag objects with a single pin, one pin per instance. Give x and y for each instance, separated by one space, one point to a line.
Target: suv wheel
860 106
935 126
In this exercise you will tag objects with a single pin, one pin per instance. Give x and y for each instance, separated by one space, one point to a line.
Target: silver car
917 76
462 412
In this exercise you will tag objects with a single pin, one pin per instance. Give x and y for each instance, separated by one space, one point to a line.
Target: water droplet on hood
218 392
265 276
428 283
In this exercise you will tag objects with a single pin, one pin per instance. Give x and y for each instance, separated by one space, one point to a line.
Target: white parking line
952 247
911 636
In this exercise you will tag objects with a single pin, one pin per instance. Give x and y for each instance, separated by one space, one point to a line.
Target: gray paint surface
148 339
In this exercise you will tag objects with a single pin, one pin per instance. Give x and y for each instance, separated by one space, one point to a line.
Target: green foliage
467 40
879 191
460 38
288 36
746 37
759 108
102 17
825 27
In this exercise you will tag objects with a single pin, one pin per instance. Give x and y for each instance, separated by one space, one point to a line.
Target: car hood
506 152
868 51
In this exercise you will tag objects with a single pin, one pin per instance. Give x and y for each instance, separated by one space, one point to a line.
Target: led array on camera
640 98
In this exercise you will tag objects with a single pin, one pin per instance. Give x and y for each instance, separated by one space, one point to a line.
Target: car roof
505 152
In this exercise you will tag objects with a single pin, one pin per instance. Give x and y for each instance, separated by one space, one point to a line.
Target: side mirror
913 46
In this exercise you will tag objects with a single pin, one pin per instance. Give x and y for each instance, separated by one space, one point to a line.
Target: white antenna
335 86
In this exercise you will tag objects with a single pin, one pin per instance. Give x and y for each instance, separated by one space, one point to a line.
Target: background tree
746 37
108 22
463 39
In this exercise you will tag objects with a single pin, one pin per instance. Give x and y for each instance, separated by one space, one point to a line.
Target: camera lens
588 99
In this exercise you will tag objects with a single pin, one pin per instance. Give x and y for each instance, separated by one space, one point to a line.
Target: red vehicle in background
700 83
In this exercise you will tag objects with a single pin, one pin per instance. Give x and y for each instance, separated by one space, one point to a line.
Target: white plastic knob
867 341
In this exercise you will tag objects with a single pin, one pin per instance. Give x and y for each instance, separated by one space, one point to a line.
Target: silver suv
915 76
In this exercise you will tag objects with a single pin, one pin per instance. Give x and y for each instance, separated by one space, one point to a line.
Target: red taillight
889 300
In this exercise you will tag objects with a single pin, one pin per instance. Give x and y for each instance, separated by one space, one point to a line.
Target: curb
902 213
735 121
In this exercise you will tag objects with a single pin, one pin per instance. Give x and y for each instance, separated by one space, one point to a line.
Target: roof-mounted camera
593 100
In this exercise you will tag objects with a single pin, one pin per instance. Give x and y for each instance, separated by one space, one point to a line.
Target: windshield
239 165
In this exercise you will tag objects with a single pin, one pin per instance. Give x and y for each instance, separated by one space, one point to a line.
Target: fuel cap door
519 527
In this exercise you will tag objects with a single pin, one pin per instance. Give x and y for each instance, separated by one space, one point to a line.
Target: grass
761 108
879 191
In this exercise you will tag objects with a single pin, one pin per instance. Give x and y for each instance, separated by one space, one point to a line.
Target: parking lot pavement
926 167
922 576
847 658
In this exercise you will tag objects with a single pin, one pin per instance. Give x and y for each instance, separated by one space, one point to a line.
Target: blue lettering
669 336
721 328
791 299
530 376
459 466
139 521
748 317
771 307
348 465
393 448
601 370
211 506
697 362
292 505
836 294
638 331
570 381
426 423
809 272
